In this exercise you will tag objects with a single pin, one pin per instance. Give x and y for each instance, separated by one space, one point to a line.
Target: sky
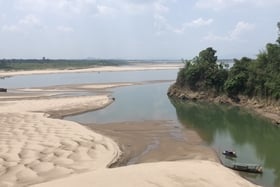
135 29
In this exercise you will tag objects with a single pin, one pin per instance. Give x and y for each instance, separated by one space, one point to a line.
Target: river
254 138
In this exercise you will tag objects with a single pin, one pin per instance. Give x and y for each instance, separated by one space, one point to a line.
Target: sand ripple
34 149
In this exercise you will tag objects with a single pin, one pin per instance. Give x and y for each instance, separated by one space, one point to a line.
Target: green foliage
3 65
253 78
203 72
238 77
35 64
278 39
207 56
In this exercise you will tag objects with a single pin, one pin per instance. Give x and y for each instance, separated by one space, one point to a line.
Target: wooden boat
3 89
229 153
251 168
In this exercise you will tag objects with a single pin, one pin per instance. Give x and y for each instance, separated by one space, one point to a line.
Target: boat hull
229 154
247 168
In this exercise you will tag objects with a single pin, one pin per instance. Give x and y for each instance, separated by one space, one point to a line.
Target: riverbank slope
264 108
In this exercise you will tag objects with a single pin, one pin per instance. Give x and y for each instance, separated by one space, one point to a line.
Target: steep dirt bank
268 109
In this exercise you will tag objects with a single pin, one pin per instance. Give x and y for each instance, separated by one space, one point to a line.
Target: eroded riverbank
270 110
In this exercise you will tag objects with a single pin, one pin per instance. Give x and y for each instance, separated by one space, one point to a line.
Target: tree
4 64
203 72
278 39
207 56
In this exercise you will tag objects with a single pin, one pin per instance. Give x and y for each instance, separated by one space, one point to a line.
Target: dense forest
258 77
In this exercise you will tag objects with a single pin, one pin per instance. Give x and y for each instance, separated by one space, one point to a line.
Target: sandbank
194 173
136 67
35 148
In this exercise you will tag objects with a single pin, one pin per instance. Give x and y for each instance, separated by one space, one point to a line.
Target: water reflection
133 103
227 127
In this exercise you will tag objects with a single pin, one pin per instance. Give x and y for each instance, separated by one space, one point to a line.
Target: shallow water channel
254 139
133 103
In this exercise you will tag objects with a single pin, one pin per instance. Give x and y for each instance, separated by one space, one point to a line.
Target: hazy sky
135 29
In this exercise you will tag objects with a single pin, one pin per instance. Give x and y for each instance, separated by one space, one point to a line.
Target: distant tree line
258 77
33 64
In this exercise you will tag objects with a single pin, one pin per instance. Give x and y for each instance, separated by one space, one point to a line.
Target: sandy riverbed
36 149
138 67
155 141
189 173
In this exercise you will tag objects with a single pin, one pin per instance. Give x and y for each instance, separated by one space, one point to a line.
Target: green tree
278 39
4 64
238 77
203 72
207 56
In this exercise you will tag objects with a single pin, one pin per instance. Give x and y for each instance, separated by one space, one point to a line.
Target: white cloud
62 28
160 22
133 8
160 7
10 28
162 25
80 6
240 28
34 5
262 3
214 4
28 21
57 6
94 7
236 34
200 22
2 16
105 10
223 4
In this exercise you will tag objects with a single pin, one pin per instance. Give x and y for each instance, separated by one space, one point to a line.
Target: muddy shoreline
154 141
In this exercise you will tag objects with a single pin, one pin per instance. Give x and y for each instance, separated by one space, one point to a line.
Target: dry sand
138 67
189 173
35 149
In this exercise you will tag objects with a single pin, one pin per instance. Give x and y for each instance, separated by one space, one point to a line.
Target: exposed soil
153 141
